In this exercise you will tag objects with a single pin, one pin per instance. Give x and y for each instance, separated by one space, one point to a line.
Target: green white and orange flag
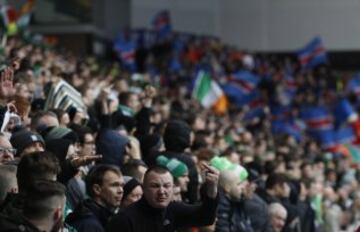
13 20
9 16
209 93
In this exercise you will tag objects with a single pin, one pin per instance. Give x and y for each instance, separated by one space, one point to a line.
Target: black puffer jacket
141 217
231 216
257 211
11 218
89 217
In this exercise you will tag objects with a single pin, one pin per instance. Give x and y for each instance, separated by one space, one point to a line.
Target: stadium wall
261 25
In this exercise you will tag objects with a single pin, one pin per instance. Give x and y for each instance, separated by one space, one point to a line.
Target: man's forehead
154 177
112 176
89 136
4 141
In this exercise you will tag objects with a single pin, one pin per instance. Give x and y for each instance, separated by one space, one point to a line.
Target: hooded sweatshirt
111 145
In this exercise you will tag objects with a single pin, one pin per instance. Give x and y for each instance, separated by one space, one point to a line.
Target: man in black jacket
278 190
43 209
104 185
231 215
155 212
255 207
32 168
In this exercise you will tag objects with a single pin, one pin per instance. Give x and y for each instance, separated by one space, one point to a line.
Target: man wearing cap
27 142
178 170
231 215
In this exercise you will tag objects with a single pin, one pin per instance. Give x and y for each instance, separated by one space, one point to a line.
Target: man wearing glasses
7 152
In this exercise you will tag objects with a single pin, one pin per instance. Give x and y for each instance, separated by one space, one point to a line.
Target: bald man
231 215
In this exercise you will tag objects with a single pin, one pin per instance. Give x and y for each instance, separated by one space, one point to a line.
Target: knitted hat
22 139
61 133
130 184
177 136
222 164
175 166
241 171
58 147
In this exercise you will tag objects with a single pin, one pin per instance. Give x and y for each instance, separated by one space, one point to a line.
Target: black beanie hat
59 147
129 186
22 139
177 136
60 133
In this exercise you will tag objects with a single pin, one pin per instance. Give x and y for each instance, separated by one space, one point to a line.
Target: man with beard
231 215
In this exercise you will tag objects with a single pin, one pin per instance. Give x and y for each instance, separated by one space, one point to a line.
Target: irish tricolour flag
209 93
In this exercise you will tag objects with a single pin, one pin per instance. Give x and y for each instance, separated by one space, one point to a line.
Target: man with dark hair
277 189
86 140
104 185
34 167
43 209
44 119
37 166
134 113
157 212
255 207
85 147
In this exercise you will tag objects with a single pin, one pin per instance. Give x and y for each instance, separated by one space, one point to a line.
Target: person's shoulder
81 214
259 200
88 223
121 220
12 205
15 222
128 212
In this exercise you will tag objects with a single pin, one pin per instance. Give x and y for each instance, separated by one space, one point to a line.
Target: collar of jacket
90 208
102 213
143 203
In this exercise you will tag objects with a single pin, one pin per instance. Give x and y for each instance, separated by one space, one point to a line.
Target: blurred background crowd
283 131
